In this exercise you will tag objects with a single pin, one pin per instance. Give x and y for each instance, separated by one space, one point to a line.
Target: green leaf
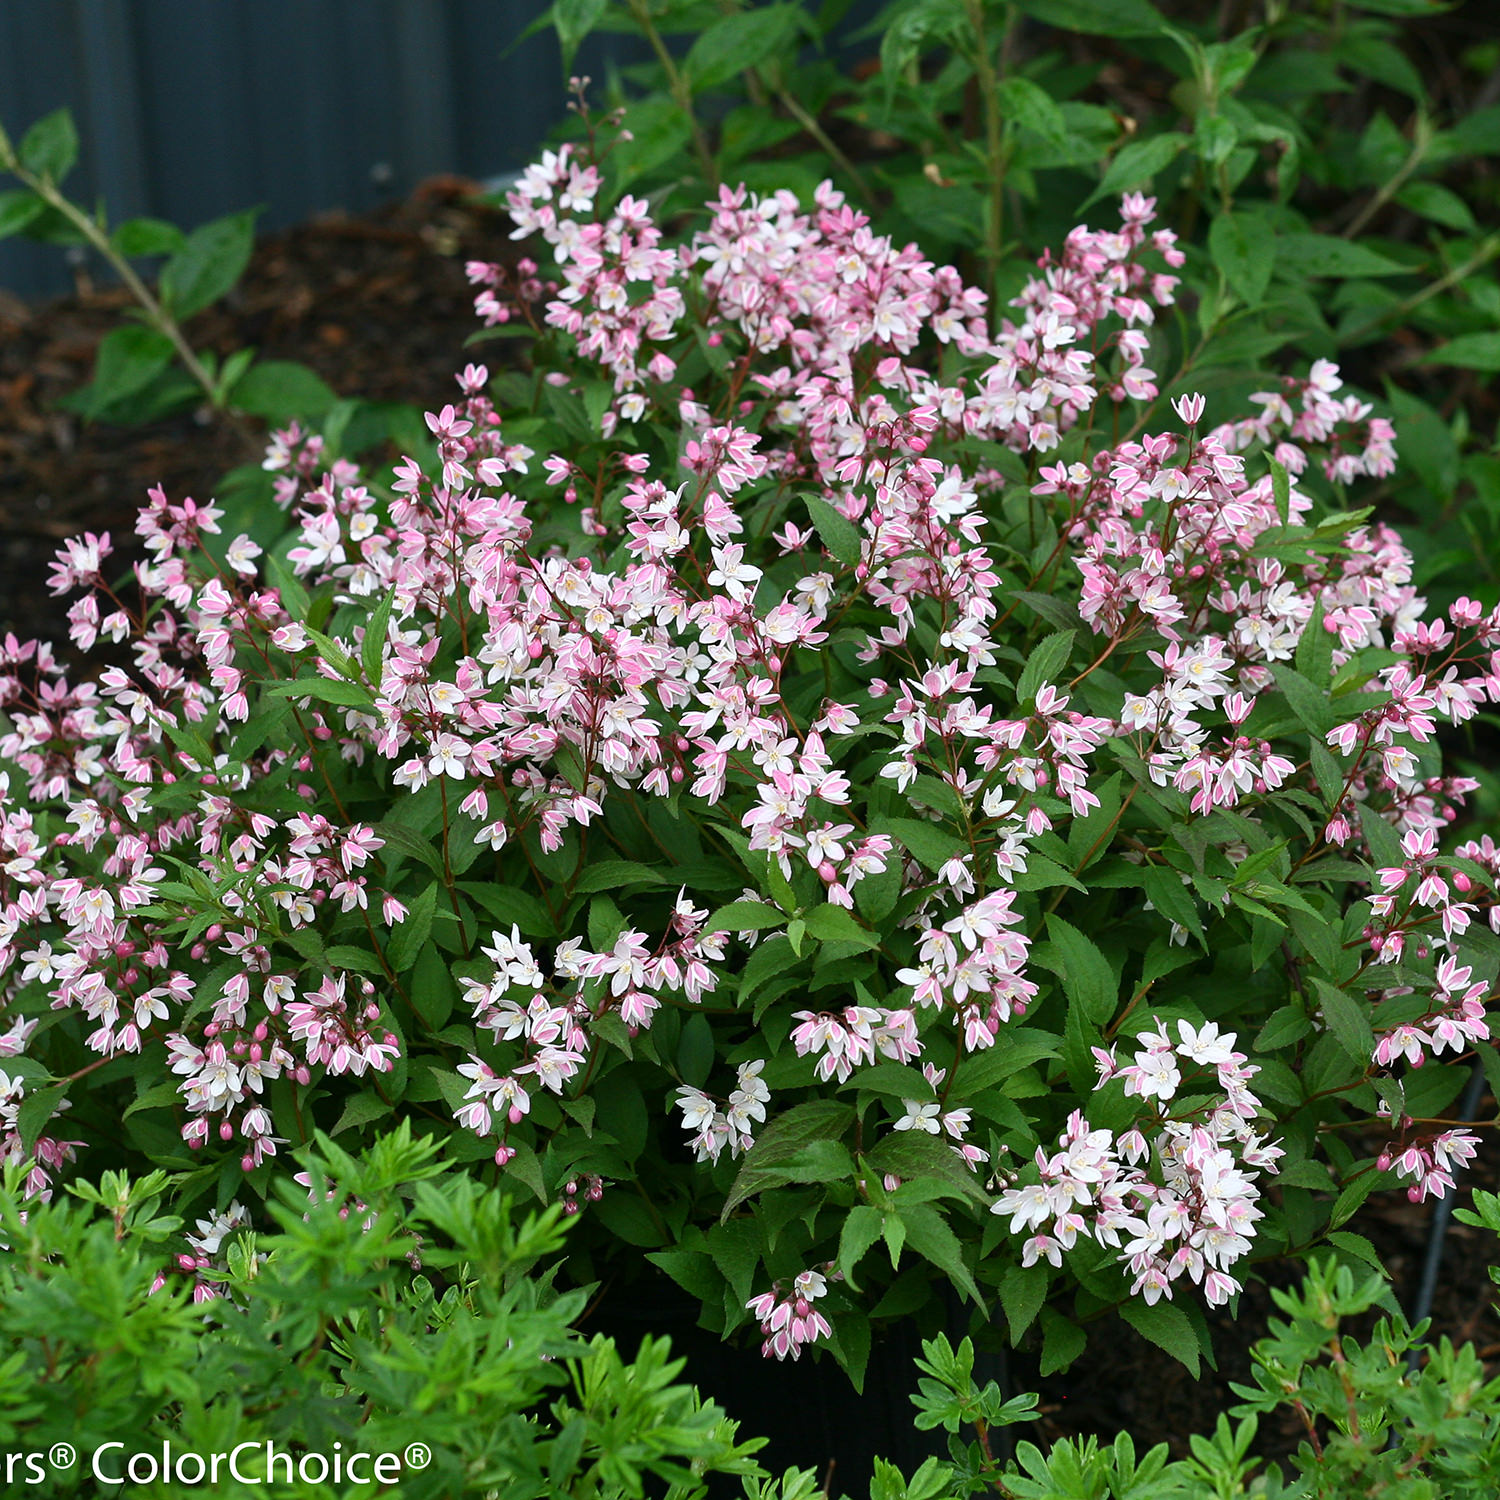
1469 351
1244 250
1284 1026
281 390
606 923
927 1233
37 1108
17 209
1137 163
159 1094
1043 665
914 1156
324 690
1168 895
784 1138
1022 1293
695 1051
1062 1341
431 988
1303 255
735 43
211 260
50 147
130 358
1167 1326
984 1070
862 1227
899 1080
1428 445
1432 201
1357 1246
1022 103
659 131
1087 979
372 648
1215 136
360 1110
1348 1019
839 535
349 956
574 19
615 874
407 940
1314 658
1098 17
832 924
147 237
744 916
1314 709
506 904
1354 1193
930 844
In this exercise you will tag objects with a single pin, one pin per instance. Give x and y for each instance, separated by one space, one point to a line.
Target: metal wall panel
189 109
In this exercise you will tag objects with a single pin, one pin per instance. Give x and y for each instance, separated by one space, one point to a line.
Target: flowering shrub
830 764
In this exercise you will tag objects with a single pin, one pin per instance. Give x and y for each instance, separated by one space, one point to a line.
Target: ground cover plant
270 1364
849 784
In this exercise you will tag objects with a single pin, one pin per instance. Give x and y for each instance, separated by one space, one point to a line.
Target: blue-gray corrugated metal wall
192 108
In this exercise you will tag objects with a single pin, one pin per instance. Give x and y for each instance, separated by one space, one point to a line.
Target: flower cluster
712 1128
788 1320
778 645
1178 1190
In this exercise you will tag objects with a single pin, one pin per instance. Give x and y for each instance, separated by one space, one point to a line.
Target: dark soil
380 307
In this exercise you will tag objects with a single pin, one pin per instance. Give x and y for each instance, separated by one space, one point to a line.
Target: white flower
919 1117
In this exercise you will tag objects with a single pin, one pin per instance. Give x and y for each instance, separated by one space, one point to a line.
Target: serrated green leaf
1137 163
732 44
744 916
282 390
361 1110
212 259
1348 1019
1167 1326
1244 250
862 1227
1046 661
838 534
1302 255
832 924
1062 1341
18 208
50 147
407 940
1087 979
